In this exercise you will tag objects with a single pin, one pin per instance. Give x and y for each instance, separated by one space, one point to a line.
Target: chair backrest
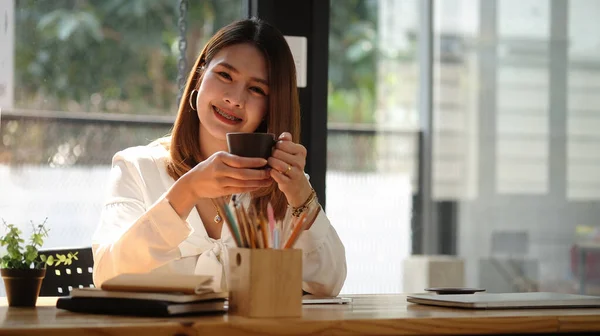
61 279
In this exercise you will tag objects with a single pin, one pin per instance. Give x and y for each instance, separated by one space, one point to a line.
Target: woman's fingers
228 186
289 158
287 136
238 183
240 161
282 167
288 161
225 174
286 144
241 168
291 147
245 174
280 178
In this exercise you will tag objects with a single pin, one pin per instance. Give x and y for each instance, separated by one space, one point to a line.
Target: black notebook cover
137 307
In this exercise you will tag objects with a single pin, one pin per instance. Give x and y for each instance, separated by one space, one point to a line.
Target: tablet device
507 300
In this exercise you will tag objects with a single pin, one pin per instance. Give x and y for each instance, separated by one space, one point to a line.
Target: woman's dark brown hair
283 110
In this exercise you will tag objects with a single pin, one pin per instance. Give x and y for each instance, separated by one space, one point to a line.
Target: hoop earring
194 95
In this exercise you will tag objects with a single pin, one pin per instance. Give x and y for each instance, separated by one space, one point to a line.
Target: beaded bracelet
297 211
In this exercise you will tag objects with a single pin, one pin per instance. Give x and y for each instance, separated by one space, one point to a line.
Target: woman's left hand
287 162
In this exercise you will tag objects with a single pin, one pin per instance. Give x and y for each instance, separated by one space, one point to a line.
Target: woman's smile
226 116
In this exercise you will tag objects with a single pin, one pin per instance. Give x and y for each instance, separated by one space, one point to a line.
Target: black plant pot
22 285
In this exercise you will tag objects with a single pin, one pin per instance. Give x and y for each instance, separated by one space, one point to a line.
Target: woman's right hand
225 174
219 175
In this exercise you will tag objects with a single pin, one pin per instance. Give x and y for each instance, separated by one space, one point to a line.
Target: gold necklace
218 217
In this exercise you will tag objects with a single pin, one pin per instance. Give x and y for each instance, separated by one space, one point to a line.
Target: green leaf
37 239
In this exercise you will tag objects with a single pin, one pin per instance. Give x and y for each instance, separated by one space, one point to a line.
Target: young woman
161 214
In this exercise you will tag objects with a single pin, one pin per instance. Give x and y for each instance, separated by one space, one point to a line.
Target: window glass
372 137
516 141
80 81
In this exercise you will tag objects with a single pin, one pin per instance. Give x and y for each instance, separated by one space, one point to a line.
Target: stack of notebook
148 295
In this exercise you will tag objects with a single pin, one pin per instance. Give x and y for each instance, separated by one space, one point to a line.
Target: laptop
507 300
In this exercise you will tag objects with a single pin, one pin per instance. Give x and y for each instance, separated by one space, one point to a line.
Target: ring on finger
289 167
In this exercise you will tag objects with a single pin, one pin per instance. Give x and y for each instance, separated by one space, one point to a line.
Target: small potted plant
22 267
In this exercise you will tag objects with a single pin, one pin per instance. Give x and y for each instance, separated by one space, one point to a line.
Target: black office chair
60 280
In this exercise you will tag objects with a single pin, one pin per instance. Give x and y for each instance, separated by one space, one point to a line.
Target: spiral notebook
507 300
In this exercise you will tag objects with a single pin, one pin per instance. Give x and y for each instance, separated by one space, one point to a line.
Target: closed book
156 282
175 297
139 307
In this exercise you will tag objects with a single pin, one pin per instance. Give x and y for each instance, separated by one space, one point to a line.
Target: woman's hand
288 161
225 174
221 174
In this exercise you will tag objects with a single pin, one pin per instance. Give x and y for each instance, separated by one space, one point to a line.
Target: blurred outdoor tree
352 61
107 55
121 56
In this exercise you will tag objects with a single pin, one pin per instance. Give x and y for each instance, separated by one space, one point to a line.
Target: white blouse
140 232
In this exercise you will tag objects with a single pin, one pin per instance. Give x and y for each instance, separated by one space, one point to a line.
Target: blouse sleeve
133 238
324 258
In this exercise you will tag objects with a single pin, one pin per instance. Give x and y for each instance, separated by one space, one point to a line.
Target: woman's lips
226 117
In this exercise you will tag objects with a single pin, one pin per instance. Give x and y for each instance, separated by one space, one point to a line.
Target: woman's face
233 95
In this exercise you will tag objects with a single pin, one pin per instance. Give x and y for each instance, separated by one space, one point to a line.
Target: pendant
217 218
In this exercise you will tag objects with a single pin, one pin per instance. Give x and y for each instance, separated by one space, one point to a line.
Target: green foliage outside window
121 56
117 56
107 55
352 61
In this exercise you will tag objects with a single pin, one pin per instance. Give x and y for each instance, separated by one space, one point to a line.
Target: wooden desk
367 315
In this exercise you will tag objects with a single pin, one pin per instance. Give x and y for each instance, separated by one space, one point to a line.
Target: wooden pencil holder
265 282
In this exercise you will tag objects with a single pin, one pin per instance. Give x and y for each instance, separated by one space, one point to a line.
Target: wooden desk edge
578 323
392 326
419 321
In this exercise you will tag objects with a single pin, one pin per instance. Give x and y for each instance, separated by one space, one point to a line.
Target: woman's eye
258 90
224 75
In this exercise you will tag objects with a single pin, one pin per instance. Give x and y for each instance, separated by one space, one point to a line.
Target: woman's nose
236 96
